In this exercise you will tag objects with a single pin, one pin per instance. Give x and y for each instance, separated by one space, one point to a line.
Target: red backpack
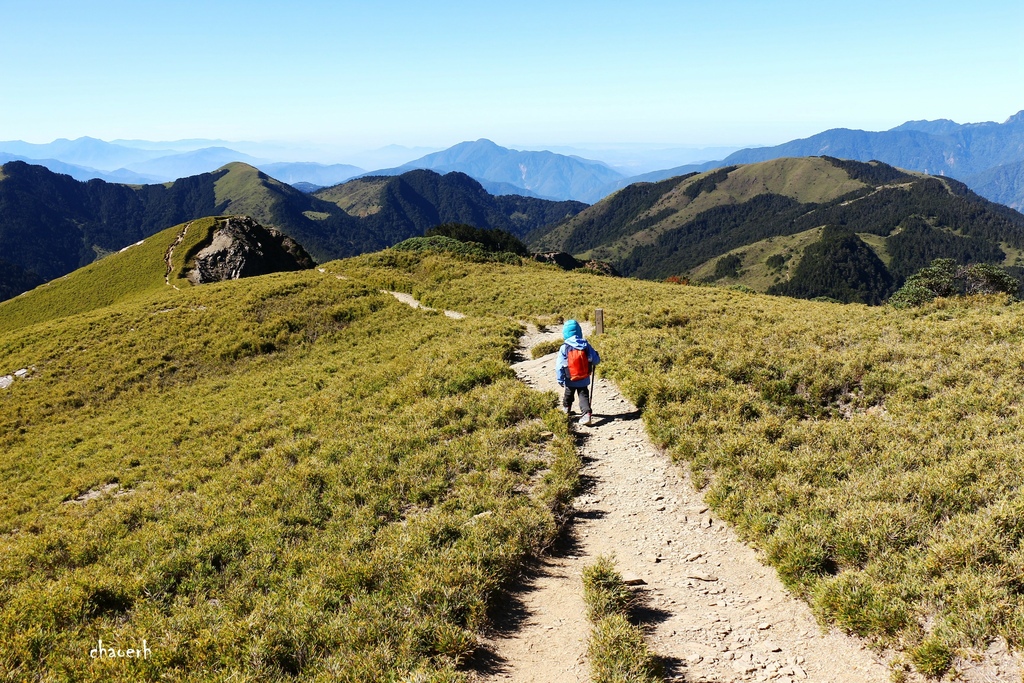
579 364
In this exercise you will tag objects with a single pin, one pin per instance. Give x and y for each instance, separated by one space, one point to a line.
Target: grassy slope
360 197
757 275
754 273
806 180
245 190
1014 256
301 463
137 270
873 455
877 244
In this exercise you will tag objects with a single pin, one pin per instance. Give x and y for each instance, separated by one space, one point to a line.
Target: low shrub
617 650
873 453
544 348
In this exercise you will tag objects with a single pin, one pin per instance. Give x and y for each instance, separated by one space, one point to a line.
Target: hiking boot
586 419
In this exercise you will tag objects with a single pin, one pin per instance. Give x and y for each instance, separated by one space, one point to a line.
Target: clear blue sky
550 72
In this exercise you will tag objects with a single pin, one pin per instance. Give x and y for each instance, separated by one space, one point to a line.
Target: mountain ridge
681 225
86 158
544 173
969 152
51 224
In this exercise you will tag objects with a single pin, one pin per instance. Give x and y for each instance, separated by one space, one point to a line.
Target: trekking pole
592 385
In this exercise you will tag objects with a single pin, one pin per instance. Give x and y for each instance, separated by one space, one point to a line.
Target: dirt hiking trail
169 254
712 612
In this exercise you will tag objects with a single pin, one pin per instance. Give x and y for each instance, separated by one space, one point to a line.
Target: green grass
302 462
290 477
544 348
137 270
873 455
808 179
244 190
1014 256
878 245
603 590
359 197
932 657
617 650
754 271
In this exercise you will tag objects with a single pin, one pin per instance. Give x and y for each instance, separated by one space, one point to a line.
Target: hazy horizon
530 75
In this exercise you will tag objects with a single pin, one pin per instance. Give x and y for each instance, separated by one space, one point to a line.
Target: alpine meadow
299 468
298 476
573 342
871 454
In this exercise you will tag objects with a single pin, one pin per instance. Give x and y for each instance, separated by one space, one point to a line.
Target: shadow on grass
643 614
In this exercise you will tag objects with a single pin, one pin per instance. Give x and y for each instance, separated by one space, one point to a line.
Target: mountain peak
238 166
1016 118
936 127
481 146
542 174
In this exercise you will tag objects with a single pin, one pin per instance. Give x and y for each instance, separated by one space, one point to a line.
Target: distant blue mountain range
85 152
87 158
988 157
540 174
83 172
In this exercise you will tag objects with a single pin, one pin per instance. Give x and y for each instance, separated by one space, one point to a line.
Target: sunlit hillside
297 476
873 455
874 225
289 475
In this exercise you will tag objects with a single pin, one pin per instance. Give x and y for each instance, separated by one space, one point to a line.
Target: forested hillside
986 156
51 224
892 223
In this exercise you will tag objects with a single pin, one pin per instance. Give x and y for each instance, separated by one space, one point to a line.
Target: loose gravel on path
713 611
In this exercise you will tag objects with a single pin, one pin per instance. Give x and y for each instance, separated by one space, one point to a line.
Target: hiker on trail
575 368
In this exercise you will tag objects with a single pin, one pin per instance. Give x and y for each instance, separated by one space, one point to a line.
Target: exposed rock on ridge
567 261
240 247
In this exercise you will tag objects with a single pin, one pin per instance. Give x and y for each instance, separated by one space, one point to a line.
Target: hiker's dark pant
584 394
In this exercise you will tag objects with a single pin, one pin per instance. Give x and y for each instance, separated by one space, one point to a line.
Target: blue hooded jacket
573 336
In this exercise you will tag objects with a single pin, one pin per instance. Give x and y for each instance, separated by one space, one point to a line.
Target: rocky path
408 300
169 256
713 611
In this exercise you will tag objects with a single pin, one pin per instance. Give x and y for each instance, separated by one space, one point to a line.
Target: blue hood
571 329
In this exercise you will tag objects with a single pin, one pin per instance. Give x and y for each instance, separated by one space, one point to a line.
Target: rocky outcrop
559 258
602 267
569 262
240 247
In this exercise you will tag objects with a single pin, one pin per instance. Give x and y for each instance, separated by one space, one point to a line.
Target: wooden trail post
598 321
